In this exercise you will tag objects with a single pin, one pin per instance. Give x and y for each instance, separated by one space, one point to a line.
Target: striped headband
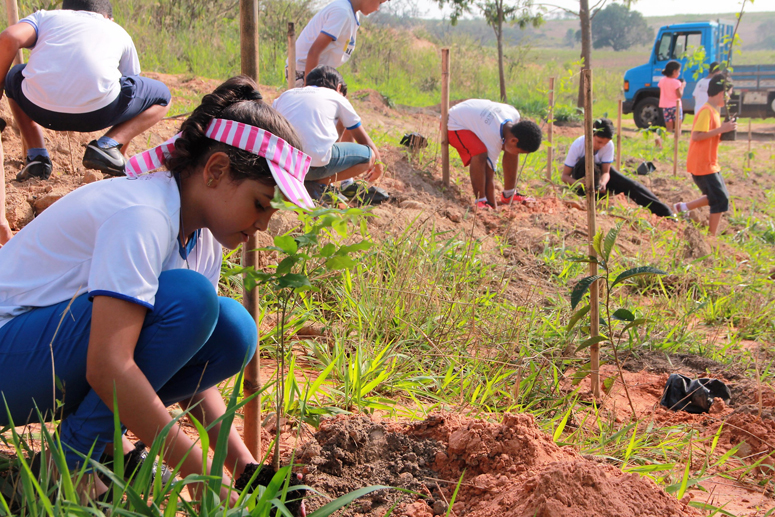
287 164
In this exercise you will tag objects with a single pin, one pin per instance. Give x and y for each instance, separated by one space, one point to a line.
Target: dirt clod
511 468
46 201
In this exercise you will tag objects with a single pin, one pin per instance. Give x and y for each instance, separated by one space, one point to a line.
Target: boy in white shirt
480 129
315 111
82 75
329 37
700 92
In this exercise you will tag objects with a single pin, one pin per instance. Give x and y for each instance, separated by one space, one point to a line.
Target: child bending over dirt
315 111
329 37
82 75
480 129
702 159
147 251
610 180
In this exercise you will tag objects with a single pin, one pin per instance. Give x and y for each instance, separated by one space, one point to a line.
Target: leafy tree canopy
619 28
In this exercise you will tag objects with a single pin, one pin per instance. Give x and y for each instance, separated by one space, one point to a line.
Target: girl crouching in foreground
120 278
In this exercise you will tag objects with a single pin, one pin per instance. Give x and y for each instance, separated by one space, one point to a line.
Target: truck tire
647 113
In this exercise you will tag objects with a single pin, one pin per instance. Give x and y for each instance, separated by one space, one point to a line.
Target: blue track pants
190 341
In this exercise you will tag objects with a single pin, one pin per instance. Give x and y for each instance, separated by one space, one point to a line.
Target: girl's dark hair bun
237 99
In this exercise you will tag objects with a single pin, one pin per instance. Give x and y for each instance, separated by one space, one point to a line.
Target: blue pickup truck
754 93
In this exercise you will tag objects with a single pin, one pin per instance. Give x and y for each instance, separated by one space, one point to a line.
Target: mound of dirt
511 468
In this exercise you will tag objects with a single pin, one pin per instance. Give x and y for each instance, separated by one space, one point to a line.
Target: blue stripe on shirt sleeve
354 127
329 35
119 296
34 26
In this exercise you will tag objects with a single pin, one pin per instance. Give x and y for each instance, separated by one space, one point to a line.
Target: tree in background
496 12
570 38
619 28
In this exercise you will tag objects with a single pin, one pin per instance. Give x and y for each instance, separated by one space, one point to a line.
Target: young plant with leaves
307 254
620 320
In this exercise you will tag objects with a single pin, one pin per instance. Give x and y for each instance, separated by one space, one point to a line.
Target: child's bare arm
699 136
360 135
605 176
19 35
313 56
567 175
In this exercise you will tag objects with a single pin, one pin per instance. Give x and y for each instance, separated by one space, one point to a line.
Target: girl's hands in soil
375 173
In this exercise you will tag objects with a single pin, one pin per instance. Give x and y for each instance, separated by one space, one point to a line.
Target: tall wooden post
677 134
589 188
445 116
619 138
12 8
252 382
748 156
291 56
550 146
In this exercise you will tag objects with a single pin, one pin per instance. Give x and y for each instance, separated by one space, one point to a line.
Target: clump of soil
511 468
350 453
696 246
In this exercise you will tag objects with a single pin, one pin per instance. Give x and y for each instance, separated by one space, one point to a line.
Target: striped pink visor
288 165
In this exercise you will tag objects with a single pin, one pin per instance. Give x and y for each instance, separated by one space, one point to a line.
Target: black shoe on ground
107 160
38 167
133 461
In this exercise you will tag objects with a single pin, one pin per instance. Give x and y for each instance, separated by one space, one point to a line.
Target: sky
429 8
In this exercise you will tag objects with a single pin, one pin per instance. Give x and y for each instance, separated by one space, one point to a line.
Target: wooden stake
677 127
619 138
550 146
445 116
12 8
589 188
748 156
291 56
252 382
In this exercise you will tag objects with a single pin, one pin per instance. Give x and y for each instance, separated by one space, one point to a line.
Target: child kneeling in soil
315 110
82 75
480 129
702 159
610 179
117 284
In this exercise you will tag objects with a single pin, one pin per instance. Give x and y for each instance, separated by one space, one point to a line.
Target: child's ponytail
237 99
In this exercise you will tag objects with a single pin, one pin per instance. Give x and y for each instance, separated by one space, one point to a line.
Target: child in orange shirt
702 160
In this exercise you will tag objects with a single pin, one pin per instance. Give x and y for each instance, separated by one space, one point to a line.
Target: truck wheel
647 113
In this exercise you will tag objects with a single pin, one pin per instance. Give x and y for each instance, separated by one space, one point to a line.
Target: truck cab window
686 41
663 47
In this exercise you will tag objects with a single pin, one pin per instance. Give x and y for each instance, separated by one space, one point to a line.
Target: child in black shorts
702 159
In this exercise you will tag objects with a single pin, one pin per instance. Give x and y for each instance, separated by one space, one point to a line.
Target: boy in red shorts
702 159
480 129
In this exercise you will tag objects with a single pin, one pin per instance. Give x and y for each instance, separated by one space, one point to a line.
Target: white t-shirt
485 119
338 20
578 150
77 61
111 237
314 111
700 93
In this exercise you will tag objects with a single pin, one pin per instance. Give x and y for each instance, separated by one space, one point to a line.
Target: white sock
682 207
345 183
481 199
509 193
